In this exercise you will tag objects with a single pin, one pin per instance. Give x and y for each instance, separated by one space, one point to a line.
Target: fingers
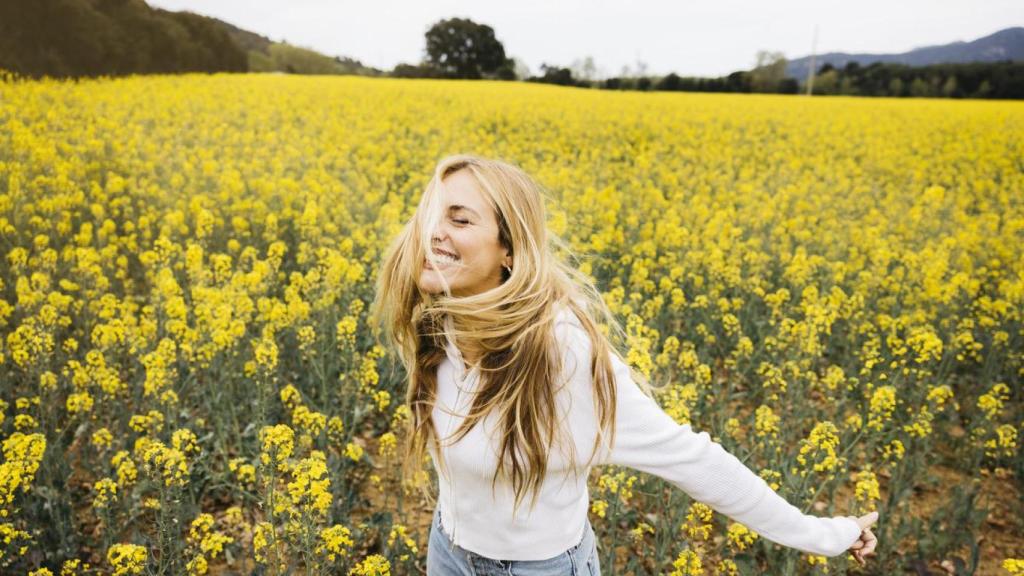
869 543
859 557
863 547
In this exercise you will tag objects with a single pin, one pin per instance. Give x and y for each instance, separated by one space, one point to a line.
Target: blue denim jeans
444 558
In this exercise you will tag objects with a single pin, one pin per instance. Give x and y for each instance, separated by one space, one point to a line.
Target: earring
508 268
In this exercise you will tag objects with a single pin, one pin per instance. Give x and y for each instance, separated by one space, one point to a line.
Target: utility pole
810 71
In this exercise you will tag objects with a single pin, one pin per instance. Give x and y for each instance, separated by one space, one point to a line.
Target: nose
439 233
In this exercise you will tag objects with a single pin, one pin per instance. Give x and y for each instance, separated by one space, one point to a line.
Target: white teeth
445 258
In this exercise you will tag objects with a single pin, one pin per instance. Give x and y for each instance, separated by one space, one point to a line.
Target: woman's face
469 232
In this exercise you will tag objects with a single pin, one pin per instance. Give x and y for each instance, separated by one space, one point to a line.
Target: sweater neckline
455 356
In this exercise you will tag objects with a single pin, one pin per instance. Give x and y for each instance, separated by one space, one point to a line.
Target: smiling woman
469 293
468 252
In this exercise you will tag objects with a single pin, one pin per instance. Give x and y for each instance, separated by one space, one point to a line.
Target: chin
431 287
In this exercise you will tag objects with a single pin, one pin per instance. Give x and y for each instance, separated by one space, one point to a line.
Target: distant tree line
741 81
965 80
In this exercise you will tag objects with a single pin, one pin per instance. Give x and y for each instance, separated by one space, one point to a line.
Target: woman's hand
866 544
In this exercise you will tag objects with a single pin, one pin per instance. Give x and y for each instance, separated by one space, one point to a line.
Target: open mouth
443 260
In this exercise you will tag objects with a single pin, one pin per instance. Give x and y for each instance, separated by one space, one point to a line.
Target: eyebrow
457 207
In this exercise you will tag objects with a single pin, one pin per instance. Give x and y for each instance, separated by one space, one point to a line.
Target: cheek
467 245
478 251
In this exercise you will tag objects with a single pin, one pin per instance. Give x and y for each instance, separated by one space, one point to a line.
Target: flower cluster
818 450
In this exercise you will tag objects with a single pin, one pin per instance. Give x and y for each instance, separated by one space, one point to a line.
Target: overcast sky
695 38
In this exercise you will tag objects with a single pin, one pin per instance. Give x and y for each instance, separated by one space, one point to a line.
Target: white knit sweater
647 439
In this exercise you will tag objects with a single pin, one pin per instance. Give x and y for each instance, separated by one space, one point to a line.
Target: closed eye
458 221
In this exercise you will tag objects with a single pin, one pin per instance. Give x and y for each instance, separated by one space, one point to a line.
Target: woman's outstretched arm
649 440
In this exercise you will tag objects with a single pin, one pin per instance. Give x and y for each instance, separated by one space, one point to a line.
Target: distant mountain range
1007 44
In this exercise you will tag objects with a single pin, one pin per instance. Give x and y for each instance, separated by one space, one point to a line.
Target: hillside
113 37
71 38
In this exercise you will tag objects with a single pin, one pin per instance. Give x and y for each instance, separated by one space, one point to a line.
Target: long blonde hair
511 326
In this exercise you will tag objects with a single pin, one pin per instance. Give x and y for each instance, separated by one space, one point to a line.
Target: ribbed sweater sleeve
649 440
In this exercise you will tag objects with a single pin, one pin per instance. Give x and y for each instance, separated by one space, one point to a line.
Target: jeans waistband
583 546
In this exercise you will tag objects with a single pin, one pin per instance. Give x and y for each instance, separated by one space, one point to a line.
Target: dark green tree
670 83
555 75
461 48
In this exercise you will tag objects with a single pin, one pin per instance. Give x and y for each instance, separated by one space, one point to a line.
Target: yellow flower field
832 287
